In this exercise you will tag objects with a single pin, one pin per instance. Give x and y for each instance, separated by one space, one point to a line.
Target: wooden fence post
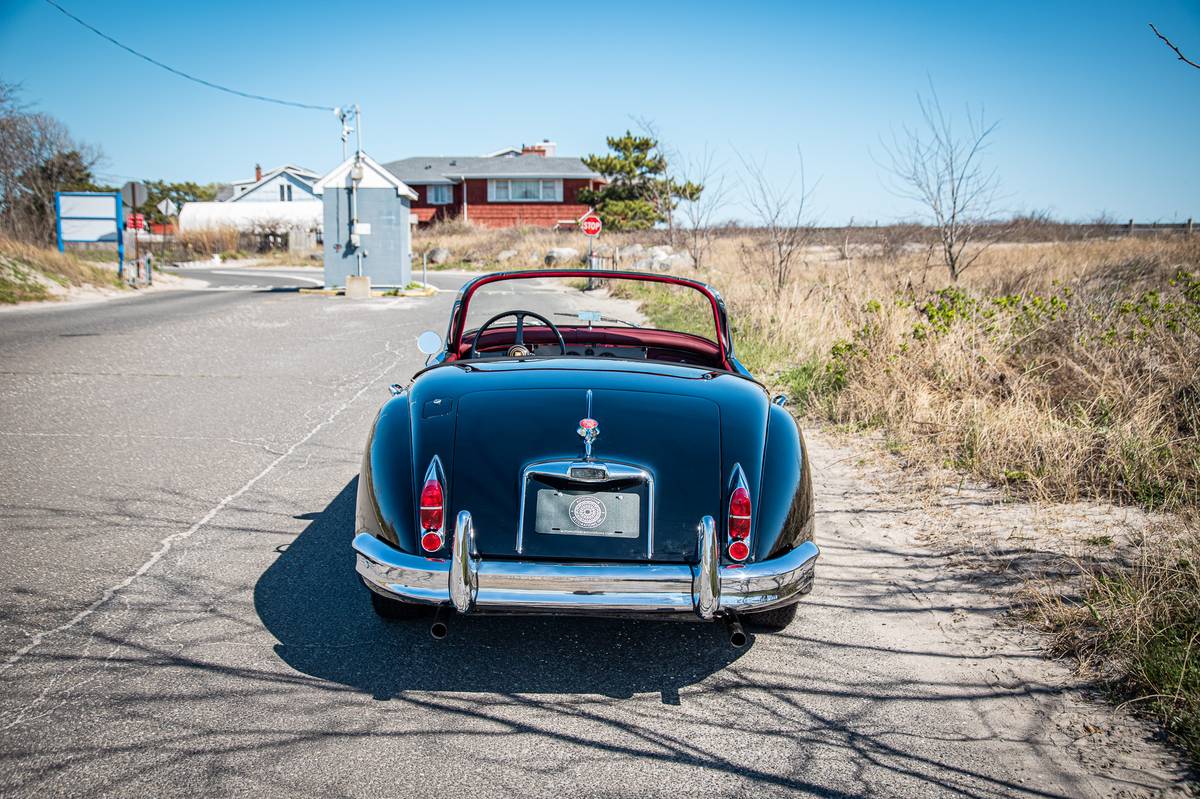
1189 226
1130 231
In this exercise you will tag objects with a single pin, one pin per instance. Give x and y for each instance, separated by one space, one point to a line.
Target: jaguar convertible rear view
584 466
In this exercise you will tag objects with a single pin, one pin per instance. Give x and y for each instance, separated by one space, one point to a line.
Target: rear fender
785 507
386 505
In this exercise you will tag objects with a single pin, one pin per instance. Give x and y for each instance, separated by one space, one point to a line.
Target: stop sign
590 225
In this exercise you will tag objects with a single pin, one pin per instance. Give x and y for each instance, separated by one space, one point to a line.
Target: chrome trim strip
706 583
562 469
615 588
464 566
574 472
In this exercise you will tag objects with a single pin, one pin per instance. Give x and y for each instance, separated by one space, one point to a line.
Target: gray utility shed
383 237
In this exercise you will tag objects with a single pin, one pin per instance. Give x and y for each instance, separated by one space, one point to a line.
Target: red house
509 188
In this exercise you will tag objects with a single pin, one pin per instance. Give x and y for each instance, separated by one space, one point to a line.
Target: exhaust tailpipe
438 628
737 636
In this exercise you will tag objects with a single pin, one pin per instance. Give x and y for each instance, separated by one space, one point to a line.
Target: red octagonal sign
590 225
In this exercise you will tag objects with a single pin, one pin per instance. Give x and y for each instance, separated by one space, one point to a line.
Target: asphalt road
243 278
181 616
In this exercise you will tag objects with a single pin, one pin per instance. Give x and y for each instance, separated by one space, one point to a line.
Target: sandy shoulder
72 296
931 577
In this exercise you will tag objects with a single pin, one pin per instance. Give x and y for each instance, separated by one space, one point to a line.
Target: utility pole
356 174
345 114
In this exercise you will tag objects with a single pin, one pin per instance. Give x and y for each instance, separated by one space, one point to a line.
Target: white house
287 183
278 201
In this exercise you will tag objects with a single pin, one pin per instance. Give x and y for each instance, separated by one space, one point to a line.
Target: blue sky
1095 114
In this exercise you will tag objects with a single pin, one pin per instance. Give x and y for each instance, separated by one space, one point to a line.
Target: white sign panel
89 229
96 206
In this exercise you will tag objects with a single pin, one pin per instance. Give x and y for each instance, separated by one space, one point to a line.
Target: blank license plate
602 513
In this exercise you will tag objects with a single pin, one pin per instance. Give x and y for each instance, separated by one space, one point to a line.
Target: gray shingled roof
448 169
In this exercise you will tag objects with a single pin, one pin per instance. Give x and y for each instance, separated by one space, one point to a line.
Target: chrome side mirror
429 342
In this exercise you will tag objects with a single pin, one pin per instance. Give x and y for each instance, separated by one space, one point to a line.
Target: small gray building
368 225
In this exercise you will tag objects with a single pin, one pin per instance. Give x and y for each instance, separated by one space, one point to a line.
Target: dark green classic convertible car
587 467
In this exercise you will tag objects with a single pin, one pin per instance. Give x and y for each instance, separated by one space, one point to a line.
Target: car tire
773 620
394 609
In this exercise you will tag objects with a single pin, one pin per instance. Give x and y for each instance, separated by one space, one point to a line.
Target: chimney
257 172
545 148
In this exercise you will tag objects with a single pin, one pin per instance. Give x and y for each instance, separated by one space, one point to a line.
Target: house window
525 191
438 195
281 193
289 199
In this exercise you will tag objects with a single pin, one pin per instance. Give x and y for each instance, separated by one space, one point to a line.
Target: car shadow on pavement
312 601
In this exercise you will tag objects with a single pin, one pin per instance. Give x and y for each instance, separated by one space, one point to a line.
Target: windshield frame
458 314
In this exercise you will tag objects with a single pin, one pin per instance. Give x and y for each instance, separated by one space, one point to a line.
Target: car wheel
394 609
773 620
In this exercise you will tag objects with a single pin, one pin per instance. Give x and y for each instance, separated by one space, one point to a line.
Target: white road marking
164 546
268 273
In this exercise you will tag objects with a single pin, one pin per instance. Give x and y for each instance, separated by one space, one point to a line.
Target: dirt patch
964 556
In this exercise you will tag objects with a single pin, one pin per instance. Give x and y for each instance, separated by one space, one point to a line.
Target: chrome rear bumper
470 583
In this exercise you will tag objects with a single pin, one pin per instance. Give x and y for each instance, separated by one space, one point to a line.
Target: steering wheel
518 348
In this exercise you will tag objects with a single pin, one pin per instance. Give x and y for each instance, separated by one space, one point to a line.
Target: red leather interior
661 344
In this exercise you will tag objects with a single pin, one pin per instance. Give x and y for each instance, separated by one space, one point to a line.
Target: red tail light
739 514
739 523
432 515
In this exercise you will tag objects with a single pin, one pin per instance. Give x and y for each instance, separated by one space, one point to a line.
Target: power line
185 75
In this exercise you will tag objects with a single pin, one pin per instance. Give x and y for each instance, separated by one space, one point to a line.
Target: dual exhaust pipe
439 629
737 636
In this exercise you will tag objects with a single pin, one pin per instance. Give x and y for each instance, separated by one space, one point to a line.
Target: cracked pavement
181 614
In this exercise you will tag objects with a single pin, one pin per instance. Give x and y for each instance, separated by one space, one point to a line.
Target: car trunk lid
664 453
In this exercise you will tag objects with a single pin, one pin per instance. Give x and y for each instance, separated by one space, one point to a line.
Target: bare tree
942 168
37 158
667 192
780 211
1171 44
699 215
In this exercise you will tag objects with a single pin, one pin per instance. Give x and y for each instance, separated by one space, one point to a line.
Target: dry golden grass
1136 628
34 273
196 244
1064 370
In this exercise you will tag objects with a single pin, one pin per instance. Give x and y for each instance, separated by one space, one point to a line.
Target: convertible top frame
458 315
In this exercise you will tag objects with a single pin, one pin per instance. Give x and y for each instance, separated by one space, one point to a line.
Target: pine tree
639 193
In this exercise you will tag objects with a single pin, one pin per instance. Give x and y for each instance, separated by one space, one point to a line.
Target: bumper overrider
469 583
